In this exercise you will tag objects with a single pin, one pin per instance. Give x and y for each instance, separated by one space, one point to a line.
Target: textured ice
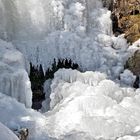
83 106
127 77
80 30
14 80
15 116
91 108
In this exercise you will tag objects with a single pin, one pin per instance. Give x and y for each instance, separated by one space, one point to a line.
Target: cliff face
126 18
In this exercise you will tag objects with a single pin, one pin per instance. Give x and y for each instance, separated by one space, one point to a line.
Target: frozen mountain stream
95 102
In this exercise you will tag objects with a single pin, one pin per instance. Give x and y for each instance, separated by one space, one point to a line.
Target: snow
6 133
14 80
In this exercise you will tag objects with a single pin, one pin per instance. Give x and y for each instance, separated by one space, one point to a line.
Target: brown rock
128 18
133 63
22 133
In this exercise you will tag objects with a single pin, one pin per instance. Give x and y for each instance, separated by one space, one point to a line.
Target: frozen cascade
72 29
14 80
84 106
92 107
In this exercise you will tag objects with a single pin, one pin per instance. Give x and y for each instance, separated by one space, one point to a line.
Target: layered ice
14 80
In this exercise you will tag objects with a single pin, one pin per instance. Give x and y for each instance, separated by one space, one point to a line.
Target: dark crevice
136 83
62 63
135 12
38 77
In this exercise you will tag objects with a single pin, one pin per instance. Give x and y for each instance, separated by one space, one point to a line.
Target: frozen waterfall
14 80
35 19
74 29
96 103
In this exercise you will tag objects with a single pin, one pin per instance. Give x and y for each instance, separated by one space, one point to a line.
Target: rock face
126 18
22 133
133 63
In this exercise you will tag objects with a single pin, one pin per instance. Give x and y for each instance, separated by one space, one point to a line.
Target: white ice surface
14 80
15 115
89 106
127 77
80 30
6 133
84 106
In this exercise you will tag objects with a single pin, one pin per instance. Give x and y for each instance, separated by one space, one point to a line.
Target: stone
127 19
22 133
133 63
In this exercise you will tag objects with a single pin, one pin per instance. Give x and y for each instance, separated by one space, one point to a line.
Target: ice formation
15 116
14 79
80 30
127 77
92 107
6 134
83 106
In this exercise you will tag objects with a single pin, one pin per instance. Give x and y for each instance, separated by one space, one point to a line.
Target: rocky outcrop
133 63
126 18
22 133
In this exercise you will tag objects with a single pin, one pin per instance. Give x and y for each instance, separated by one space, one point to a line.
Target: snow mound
14 79
6 133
